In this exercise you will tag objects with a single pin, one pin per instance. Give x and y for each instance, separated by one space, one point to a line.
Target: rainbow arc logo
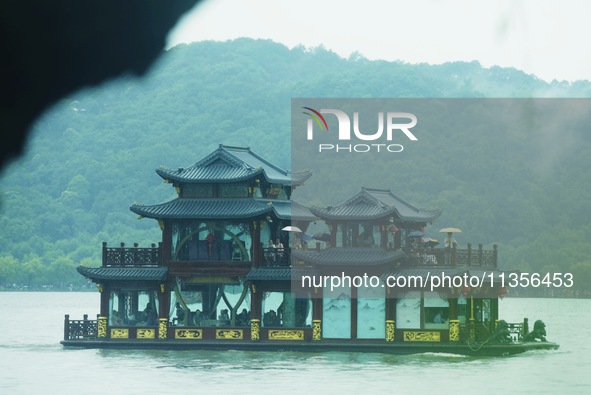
317 117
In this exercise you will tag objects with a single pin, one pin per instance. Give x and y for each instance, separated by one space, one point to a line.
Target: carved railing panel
81 329
131 256
454 257
274 257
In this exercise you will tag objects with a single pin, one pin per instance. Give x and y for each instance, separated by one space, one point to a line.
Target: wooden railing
484 331
132 256
274 257
455 256
518 330
80 329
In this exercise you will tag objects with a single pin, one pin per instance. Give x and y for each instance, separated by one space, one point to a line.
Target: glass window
371 313
336 312
462 309
434 308
198 304
214 240
482 311
285 309
133 308
436 311
408 310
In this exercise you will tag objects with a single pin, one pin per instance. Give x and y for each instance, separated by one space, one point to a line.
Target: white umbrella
450 230
450 241
292 229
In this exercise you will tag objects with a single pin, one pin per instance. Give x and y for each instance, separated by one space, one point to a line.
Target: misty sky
546 38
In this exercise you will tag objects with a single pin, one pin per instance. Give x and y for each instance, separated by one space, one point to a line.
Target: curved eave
349 256
124 273
290 210
299 178
373 214
221 208
209 174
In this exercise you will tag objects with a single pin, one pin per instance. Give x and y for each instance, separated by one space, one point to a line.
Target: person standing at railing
280 249
270 254
450 241
210 239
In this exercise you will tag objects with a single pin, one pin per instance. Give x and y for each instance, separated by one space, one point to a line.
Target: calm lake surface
33 361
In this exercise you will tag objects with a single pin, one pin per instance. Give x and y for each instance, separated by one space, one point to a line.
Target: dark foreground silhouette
52 48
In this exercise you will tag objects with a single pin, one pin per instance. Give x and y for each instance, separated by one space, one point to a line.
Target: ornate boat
235 270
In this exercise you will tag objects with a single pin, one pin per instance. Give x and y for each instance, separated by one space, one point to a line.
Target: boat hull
474 349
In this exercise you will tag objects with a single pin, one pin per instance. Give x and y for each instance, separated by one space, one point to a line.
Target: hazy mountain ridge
94 154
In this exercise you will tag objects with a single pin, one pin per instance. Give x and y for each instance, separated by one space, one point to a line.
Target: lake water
32 360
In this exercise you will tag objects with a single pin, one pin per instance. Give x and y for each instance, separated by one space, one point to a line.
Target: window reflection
210 305
286 309
216 240
336 310
133 308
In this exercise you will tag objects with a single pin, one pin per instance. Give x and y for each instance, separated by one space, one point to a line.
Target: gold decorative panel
412 336
188 334
254 329
119 333
162 328
102 326
285 334
316 330
390 330
143 333
232 334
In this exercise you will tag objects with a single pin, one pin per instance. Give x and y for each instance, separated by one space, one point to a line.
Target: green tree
9 267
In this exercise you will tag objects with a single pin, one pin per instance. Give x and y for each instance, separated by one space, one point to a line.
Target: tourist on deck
198 318
116 319
450 242
270 254
280 249
180 314
271 319
438 319
224 317
243 318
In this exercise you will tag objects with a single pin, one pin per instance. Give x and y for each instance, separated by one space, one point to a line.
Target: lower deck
468 341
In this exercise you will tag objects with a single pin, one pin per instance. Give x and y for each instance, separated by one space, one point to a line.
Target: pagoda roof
288 209
349 256
220 208
371 204
129 273
232 164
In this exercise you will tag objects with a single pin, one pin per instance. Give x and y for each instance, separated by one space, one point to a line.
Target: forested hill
94 154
